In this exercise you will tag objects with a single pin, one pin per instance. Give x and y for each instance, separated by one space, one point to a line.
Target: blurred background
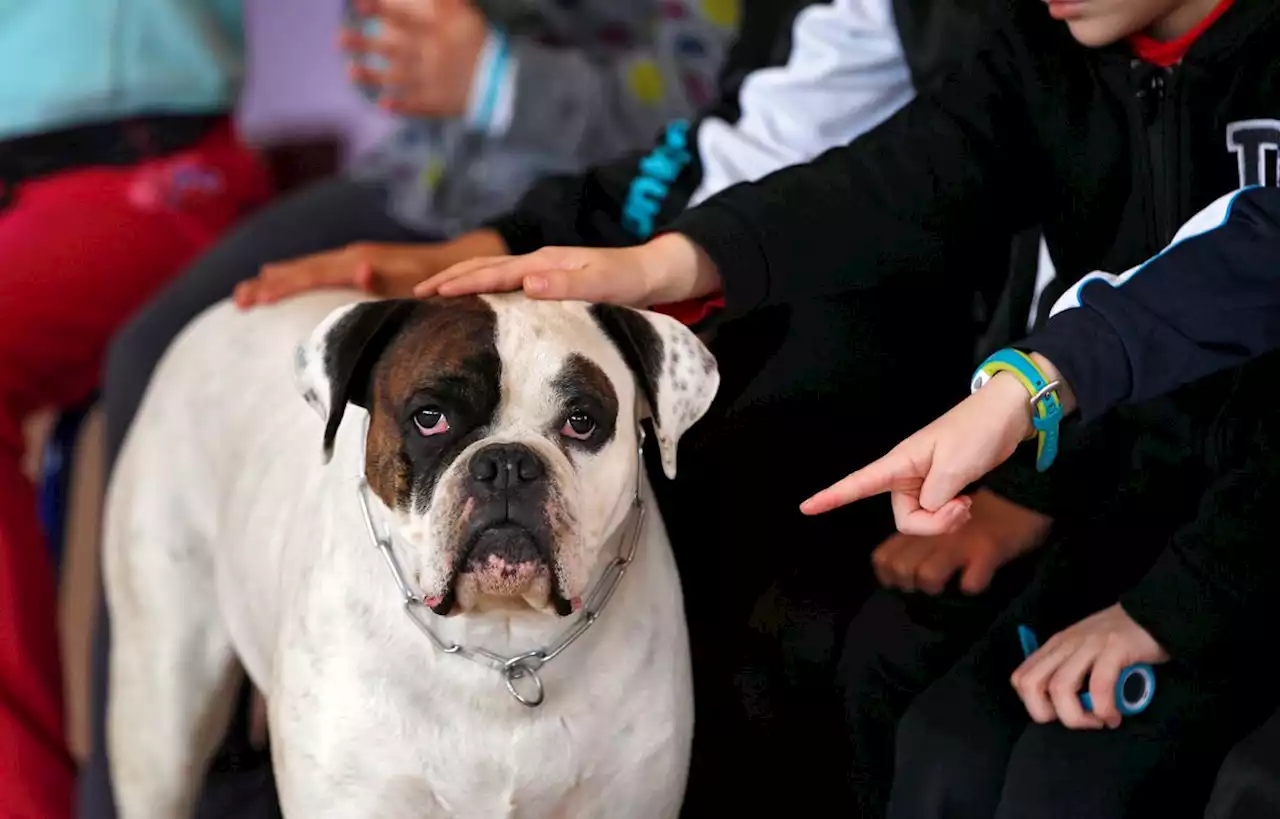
299 108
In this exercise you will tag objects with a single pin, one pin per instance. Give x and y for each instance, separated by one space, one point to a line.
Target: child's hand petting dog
1093 652
386 270
667 270
997 531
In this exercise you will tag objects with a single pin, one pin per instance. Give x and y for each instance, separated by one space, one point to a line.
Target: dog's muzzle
506 545
505 560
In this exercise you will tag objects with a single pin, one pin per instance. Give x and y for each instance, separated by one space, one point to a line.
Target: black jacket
1109 154
1212 593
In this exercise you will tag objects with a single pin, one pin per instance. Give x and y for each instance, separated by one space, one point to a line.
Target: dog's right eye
579 426
430 421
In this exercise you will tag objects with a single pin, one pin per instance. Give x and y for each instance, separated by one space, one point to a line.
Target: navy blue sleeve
1209 301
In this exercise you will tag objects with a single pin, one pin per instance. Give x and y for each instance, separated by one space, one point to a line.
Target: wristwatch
1046 407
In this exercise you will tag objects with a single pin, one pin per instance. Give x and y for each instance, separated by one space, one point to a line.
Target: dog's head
503 432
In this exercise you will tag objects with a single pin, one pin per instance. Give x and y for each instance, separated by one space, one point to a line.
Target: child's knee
868 671
942 767
1052 774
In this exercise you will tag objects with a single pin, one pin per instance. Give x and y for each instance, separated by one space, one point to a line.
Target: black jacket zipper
1161 125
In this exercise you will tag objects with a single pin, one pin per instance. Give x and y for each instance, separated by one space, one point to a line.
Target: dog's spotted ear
676 373
334 366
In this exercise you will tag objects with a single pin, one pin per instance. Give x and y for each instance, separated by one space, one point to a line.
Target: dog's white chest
540 766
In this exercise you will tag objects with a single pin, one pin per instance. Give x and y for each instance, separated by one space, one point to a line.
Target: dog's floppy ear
676 373
333 367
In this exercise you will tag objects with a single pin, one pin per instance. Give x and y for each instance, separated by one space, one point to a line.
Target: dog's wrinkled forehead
554 353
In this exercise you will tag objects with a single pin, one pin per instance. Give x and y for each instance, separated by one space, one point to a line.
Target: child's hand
430 48
998 531
926 472
1095 650
387 270
667 270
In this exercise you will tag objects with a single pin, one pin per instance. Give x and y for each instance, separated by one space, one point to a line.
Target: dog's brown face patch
434 392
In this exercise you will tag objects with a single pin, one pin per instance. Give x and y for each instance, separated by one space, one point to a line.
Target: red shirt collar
1165 54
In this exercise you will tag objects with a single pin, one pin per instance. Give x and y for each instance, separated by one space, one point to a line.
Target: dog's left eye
579 426
430 421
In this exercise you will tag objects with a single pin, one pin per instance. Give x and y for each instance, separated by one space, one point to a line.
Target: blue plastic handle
1127 705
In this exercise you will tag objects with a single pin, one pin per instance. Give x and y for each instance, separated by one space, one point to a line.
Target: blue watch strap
1046 408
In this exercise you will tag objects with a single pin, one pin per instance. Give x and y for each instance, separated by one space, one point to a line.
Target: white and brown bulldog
431 594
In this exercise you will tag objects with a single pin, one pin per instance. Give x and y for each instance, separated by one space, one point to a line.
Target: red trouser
80 251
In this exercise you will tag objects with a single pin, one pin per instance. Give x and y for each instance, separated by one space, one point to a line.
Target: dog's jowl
453 588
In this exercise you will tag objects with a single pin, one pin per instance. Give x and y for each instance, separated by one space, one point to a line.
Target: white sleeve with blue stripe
1207 302
846 74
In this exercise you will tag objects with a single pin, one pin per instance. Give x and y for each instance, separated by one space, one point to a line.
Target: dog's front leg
173 674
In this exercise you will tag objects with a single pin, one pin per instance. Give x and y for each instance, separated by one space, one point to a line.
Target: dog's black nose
503 467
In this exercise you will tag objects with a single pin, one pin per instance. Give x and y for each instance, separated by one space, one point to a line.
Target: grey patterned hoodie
560 84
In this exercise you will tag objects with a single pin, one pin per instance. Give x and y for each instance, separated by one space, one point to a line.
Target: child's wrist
1013 396
677 269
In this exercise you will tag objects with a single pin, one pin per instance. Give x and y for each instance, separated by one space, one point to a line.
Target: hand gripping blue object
1134 690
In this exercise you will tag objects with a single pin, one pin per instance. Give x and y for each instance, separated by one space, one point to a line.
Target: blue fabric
69 62
55 479
658 171
494 69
